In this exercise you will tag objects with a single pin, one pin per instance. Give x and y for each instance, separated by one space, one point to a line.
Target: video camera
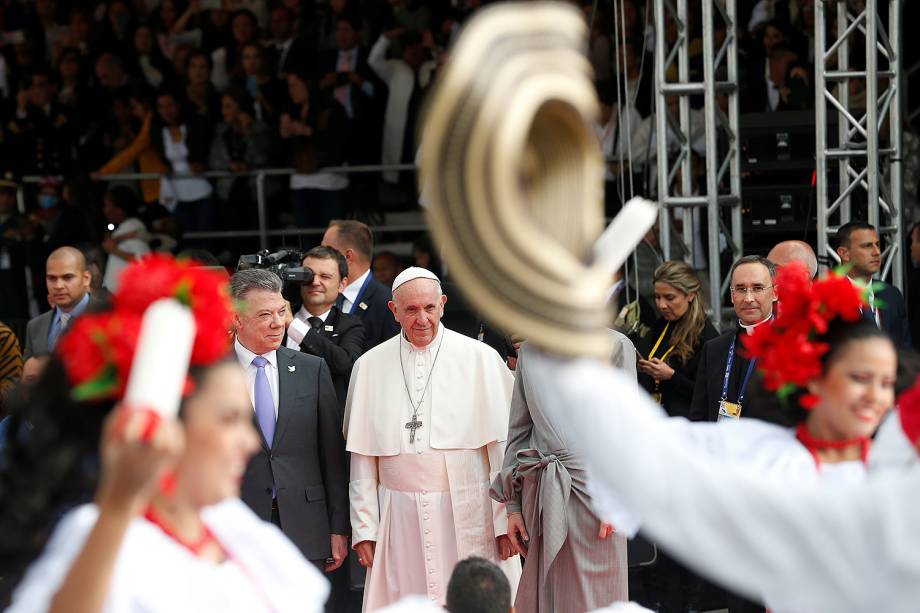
285 263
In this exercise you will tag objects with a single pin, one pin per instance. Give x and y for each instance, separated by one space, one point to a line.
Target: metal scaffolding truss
722 146
867 165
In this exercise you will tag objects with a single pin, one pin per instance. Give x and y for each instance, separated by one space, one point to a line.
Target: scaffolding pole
722 187
868 185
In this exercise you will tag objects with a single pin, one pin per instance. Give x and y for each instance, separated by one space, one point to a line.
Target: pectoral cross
412 426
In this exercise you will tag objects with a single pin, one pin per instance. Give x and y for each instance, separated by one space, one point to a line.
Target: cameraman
319 327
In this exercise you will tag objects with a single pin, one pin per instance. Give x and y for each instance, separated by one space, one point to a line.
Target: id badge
729 410
656 396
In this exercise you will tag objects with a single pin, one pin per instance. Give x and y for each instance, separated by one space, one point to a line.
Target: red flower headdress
98 350
787 351
909 412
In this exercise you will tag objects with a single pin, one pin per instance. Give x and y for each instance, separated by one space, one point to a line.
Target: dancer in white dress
166 531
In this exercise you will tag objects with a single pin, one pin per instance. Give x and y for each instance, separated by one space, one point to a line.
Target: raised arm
841 548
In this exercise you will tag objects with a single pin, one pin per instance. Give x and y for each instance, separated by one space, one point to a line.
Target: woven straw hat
512 177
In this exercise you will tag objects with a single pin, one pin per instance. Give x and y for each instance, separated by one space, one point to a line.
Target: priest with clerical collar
426 421
725 375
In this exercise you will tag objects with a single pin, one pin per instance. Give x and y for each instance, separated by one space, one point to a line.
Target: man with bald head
67 280
426 421
794 251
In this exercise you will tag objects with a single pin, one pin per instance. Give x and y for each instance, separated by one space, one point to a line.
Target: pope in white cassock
425 421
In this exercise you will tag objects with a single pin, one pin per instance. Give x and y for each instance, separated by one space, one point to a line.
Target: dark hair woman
166 531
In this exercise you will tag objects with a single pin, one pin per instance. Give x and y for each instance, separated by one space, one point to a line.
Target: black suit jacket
306 463
378 320
707 390
892 314
340 342
677 393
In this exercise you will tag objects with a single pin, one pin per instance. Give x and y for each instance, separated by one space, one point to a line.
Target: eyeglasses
756 290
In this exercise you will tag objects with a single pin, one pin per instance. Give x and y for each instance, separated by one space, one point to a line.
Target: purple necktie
265 406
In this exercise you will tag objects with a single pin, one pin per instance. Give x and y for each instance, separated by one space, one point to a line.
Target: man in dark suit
289 52
346 76
364 296
299 479
858 246
320 328
724 374
67 280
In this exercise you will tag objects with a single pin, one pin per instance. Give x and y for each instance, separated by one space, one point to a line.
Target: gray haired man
299 478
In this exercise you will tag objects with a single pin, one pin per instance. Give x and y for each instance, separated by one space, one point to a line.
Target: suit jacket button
268 490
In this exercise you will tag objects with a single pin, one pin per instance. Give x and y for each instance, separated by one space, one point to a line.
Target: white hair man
425 422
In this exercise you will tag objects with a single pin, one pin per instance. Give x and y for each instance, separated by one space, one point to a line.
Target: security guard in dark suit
364 296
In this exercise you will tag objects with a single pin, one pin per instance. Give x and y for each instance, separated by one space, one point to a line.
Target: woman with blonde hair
669 353
667 364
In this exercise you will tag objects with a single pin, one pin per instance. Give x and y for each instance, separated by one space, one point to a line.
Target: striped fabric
10 361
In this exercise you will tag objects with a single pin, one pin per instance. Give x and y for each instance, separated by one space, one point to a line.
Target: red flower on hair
97 353
909 412
98 350
203 290
787 352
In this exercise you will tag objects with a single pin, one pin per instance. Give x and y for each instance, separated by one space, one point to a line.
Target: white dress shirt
300 327
245 357
351 292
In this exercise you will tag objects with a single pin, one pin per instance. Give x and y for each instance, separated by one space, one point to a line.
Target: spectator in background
15 302
788 87
241 143
95 264
40 132
56 223
244 28
255 78
347 76
425 256
203 99
313 129
386 266
116 29
183 142
71 89
406 77
127 239
478 586
140 152
289 53
152 65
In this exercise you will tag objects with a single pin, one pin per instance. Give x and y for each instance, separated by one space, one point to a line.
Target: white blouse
264 570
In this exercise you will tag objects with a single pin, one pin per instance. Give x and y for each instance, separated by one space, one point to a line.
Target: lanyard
658 343
728 372
360 293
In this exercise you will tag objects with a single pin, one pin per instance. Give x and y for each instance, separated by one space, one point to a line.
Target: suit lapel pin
292 368
363 306
329 328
